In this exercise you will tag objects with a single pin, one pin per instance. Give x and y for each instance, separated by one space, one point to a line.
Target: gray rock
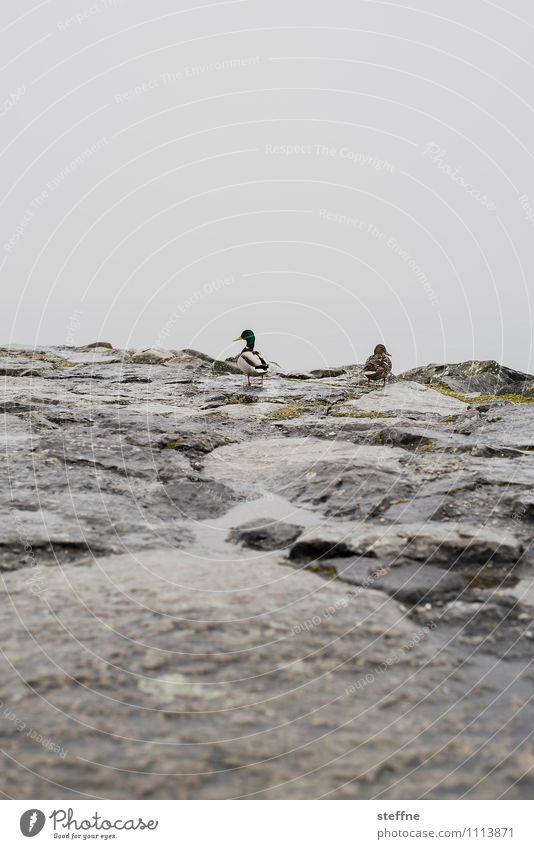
405 397
345 491
475 376
265 534
133 601
469 549
327 372
95 345
195 360
151 356
409 582
194 499
163 648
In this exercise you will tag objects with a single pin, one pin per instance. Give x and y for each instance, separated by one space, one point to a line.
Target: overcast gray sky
331 174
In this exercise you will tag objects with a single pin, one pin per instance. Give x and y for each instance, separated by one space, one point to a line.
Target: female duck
378 366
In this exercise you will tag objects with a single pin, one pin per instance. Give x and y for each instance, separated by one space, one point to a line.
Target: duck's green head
248 337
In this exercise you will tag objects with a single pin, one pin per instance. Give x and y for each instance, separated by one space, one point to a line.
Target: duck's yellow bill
237 339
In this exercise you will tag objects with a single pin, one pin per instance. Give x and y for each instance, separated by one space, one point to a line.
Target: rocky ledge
318 589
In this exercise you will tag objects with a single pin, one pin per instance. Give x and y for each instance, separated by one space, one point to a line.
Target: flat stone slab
158 676
214 674
266 459
445 544
409 582
405 397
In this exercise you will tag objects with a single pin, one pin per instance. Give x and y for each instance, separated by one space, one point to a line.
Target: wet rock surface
265 534
300 591
403 579
475 376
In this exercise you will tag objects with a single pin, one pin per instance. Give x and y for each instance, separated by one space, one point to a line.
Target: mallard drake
378 366
249 361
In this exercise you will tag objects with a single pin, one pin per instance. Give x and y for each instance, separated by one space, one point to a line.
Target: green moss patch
287 412
175 443
325 570
425 445
480 399
363 414
241 399
63 363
